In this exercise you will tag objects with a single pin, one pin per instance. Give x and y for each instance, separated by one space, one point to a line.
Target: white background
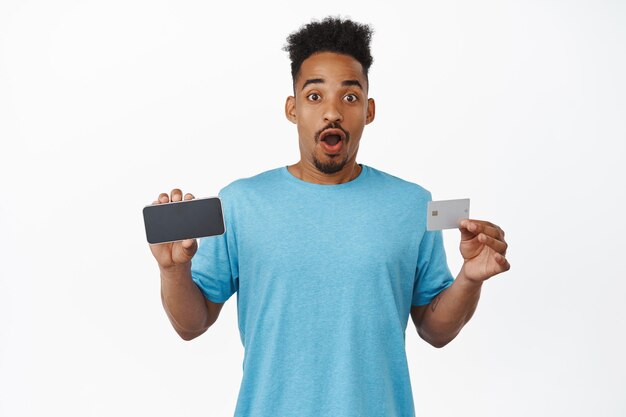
519 105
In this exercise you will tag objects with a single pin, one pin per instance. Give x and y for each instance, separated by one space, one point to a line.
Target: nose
332 113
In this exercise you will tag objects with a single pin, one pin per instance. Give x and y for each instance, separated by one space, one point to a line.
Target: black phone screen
169 222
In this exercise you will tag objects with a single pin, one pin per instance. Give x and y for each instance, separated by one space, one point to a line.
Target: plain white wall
519 105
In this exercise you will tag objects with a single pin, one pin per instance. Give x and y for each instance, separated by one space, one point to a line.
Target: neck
309 173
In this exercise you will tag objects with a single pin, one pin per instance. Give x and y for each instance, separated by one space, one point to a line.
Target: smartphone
171 222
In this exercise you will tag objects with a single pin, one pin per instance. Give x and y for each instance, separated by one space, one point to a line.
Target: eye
351 98
313 97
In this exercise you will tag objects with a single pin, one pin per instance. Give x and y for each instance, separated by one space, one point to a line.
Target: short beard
329 167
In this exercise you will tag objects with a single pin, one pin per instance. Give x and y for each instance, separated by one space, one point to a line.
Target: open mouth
332 140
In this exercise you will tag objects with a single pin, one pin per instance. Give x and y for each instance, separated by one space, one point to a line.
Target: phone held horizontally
188 219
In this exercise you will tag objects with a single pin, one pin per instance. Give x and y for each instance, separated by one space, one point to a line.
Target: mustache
332 126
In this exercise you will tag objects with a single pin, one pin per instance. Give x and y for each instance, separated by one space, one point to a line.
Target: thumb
468 230
189 247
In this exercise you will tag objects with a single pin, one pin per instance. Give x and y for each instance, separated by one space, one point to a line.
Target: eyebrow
346 83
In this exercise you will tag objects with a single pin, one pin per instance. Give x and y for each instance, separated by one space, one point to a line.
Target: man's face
330 108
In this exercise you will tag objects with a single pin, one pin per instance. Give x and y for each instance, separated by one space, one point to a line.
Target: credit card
447 214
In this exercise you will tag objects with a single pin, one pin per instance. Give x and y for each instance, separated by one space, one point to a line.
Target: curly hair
332 34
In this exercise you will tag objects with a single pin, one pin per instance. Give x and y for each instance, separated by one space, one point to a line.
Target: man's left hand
483 249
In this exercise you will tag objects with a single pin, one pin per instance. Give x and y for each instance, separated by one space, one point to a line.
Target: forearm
183 302
447 313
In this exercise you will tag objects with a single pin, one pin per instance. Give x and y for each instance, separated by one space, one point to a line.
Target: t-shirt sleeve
214 267
432 275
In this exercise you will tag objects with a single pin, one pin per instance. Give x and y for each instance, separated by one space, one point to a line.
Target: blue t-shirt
325 277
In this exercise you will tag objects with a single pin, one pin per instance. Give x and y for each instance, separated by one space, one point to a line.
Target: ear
290 109
371 111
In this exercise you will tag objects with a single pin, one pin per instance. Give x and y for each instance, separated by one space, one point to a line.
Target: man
328 257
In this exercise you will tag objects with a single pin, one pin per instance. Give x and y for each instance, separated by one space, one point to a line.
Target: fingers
503 262
497 245
483 247
175 195
163 198
470 228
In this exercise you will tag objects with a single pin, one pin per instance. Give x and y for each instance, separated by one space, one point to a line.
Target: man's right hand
177 254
